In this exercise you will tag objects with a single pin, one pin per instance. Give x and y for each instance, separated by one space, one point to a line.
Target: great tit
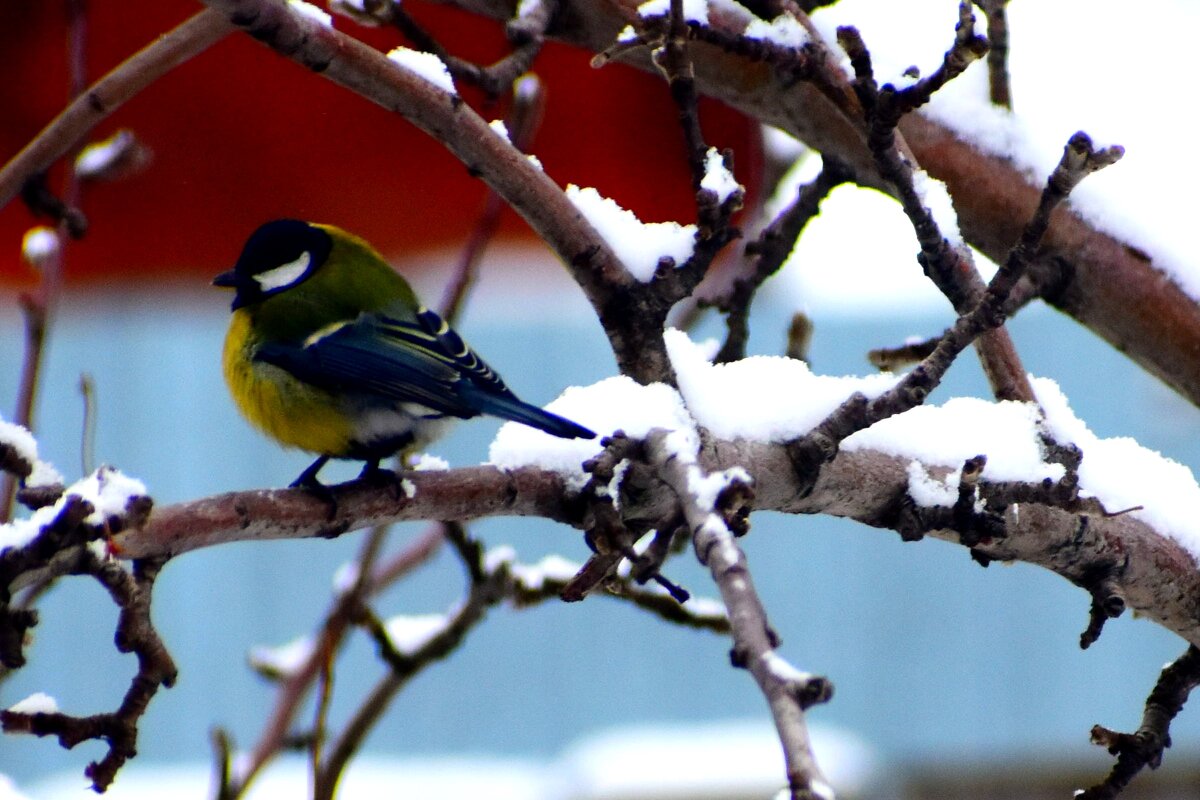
330 351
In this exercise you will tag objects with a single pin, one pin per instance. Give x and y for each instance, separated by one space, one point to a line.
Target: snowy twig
38 307
671 56
1115 289
55 538
967 48
135 634
792 64
25 172
1079 160
718 196
526 32
999 85
950 266
788 692
1144 748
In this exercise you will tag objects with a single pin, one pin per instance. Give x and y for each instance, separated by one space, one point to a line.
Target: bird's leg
308 478
371 470
308 481
373 473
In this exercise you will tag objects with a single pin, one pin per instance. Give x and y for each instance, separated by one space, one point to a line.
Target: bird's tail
509 407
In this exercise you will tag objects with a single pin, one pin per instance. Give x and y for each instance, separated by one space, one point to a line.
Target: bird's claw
374 474
309 482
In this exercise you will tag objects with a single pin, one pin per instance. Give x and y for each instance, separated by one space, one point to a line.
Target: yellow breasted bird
330 351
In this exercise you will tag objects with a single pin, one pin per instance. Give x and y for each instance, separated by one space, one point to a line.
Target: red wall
241 135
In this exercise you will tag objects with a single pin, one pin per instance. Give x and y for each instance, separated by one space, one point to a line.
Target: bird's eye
284 274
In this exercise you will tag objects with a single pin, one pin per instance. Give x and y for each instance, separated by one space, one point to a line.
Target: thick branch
1155 575
451 495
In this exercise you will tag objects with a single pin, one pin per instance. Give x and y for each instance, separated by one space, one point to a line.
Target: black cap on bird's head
276 257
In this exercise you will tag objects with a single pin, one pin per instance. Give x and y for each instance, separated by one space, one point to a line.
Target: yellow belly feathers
291 412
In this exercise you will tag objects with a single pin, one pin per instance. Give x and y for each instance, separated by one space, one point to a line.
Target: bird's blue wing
379 358
384 359
451 347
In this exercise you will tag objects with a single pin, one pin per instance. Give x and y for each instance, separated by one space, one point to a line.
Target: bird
330 351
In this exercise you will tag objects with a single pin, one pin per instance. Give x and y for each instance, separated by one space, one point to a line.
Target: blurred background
951 680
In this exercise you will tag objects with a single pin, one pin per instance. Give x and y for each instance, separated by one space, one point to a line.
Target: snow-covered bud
40 246
118 156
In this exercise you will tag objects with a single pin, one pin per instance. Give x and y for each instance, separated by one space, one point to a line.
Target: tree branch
1154 574
1144 748
788 691
1106 284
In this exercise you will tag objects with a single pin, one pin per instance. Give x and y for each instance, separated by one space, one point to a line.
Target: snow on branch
70 532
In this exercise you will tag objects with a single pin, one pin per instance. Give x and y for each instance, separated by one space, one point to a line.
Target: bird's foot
308 481
374 474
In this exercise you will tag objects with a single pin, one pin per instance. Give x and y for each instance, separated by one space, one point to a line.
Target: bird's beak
227 279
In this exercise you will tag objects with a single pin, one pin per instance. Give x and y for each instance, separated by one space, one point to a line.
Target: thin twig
523 120
526 32
39 306
104 97
485 590
818 446
767 254
949 267
87 437
999 84
1144 748
668 38
338 619
135 634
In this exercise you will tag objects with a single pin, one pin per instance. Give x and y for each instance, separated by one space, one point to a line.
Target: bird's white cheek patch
284 274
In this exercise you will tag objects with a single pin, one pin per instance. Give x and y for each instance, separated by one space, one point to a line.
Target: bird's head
279 256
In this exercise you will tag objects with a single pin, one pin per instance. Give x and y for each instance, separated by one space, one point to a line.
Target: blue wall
930 654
